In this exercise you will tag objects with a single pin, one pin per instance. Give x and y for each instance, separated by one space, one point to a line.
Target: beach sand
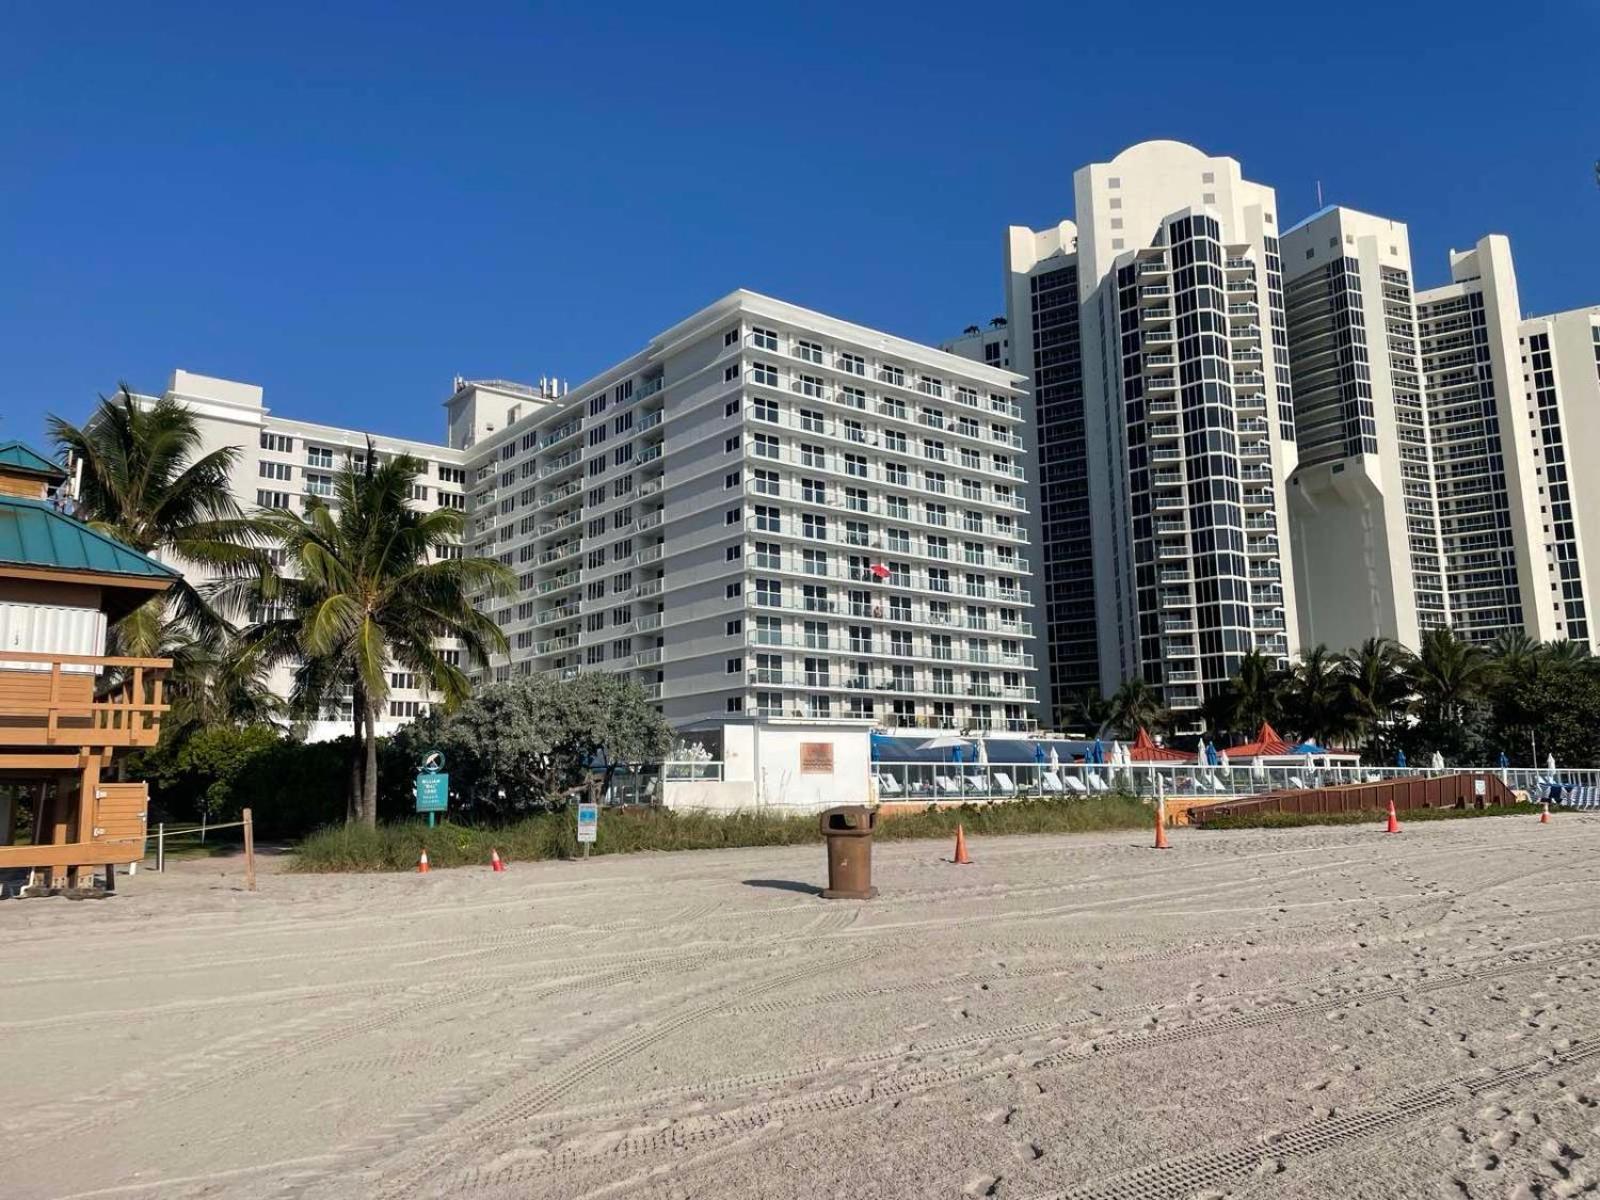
1315 1014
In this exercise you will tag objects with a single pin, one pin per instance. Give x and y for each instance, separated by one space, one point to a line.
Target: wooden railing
66 708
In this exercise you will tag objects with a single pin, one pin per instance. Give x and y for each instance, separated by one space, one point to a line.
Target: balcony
1164 429
649 454
54 700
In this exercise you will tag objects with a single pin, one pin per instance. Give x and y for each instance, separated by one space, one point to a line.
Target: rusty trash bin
848 830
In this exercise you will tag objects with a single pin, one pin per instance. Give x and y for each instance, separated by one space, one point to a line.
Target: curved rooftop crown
1163 147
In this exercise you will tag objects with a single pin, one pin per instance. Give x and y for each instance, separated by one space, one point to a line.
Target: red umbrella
879 570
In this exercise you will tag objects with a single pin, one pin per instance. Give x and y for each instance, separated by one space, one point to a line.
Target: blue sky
350 203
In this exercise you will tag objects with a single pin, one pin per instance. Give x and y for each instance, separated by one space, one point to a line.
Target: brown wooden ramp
1469 789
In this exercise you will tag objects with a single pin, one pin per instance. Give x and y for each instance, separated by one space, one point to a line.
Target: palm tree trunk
353 800
369 780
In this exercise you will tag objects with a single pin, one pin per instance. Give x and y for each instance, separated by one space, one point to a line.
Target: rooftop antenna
1319 193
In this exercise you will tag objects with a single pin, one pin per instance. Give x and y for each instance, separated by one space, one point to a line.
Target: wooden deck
51 704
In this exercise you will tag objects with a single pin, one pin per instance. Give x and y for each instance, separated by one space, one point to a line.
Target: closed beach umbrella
1438 761
1222 758
983 753
1400 758
1504 761
1550 761
1055 759
1258 767
1097 752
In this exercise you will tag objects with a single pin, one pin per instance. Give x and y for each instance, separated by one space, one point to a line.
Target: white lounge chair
1051 782
1076 785
1097 784
888 784
1003 785
1296 782
975 784
946 785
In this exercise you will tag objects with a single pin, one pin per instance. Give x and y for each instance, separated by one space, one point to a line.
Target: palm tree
1568 652
1448 672
1135 706
1317 703
145 482
1377 676
1083 710
1253 697
368 586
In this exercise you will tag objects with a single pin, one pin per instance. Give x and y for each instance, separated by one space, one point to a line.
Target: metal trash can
849 833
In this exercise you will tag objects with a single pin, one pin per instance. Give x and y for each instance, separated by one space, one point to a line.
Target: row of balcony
910 686
901 511
920 547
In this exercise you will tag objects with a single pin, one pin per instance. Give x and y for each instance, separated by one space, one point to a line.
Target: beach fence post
161 846
249 852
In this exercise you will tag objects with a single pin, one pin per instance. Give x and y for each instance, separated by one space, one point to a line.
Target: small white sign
1479 787
588 822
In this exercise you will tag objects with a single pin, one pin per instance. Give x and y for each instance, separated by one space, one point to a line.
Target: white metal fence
954 782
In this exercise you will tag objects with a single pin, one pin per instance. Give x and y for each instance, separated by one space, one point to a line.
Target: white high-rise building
1189 422
1364 525
770 512
282 461
1483 432
764 513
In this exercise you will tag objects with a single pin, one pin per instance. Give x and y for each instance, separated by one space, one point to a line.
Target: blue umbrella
1504 761
1211 754
1038 753
1097 752
956 753
1399 758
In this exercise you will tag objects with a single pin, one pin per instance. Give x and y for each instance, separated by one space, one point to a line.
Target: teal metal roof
21 456
34 534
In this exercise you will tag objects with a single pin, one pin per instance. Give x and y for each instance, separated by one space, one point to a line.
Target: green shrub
1294 820
395 846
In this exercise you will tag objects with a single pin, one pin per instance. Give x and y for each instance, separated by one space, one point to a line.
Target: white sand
1309 1014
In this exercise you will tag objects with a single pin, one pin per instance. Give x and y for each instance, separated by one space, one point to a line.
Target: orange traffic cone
1544 815
1161 827
1394 824
494 861
422 863
961 859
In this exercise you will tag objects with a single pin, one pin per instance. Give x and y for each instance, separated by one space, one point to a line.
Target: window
277 442
731 408
735 704
765 445
597 435
733 553
808 351
733 590
735 666
731 338
322 485
733 515
456 475
765 339
853 363
454 500
729 374
763 408
730 480
764 374
419 492
276 470
731 444
735 627
321 456
622 422
272 499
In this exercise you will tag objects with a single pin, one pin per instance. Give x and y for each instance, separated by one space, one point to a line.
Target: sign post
588 825
433 786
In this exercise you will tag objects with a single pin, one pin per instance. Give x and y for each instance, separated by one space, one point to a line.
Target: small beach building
65 707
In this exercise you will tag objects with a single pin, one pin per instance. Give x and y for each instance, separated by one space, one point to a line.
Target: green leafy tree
368 585
521 744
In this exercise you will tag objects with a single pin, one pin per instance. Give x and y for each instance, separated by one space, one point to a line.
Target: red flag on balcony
879 570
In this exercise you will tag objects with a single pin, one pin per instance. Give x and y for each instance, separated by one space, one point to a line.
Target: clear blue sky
350 203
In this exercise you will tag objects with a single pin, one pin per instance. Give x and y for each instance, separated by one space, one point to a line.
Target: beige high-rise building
1561 375
1482 429
1189 423
1364 525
